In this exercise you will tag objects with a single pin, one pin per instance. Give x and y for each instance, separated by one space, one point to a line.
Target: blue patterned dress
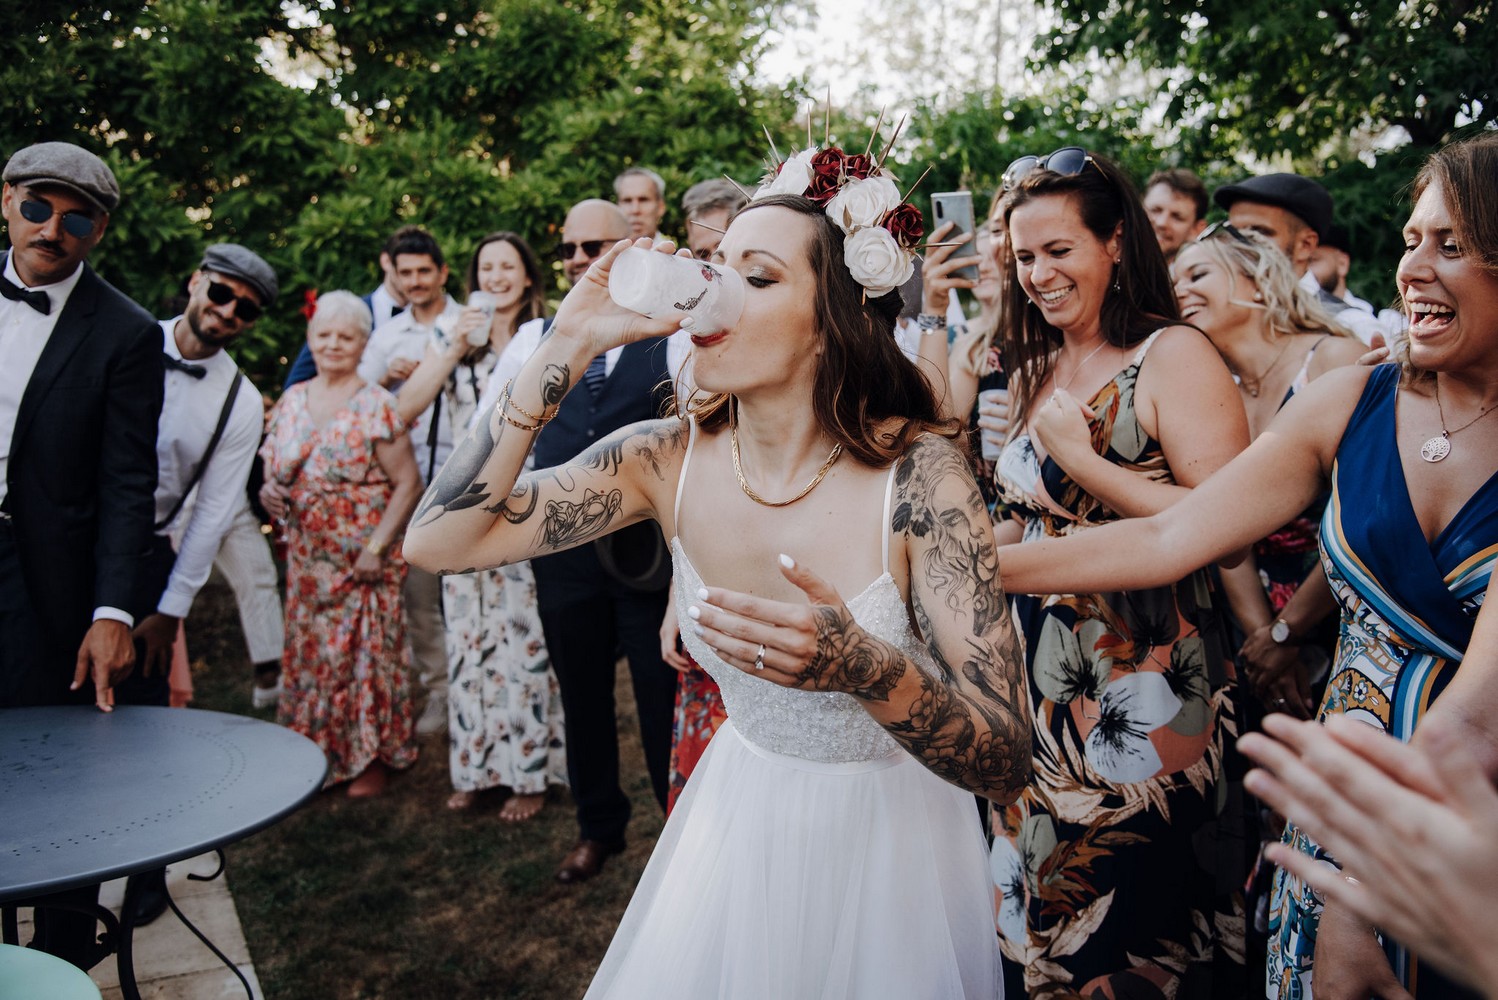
1407 614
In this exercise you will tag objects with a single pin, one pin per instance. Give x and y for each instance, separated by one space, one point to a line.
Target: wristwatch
1279 631
377 549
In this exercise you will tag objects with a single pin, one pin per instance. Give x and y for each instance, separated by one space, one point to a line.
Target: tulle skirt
778 878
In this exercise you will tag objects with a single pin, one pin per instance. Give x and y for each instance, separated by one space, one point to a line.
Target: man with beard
211 419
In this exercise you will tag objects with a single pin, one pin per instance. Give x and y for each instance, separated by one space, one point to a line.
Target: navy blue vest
637 389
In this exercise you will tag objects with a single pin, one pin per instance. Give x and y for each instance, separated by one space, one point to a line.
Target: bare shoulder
1336 352
1180 348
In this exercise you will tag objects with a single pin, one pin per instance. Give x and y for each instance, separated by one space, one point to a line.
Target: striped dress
1407 615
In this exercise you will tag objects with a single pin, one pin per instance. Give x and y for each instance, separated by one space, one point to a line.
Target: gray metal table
87 796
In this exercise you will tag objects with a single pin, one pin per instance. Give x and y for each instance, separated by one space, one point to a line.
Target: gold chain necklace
1439 446
738 471
1253 385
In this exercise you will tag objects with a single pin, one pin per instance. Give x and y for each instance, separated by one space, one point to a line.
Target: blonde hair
1288 307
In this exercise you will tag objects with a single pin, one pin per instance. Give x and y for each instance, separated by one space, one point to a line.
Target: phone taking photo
957 207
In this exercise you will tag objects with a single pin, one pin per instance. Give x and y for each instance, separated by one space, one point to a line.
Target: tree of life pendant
1436 448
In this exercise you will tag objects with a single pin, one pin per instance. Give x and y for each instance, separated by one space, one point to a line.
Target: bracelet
540 421
376 549
505 403
931 322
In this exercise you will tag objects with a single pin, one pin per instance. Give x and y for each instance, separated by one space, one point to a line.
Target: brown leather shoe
586 860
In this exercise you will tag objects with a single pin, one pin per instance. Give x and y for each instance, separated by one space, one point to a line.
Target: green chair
26 973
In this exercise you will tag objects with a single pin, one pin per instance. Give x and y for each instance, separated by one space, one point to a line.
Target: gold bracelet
540 421
504 403
376 549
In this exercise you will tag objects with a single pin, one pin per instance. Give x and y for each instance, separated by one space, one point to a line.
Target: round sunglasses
75 224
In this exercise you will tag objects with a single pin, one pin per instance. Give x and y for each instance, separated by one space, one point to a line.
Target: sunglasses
1224 226
75 224
591 249
220 294
1068 161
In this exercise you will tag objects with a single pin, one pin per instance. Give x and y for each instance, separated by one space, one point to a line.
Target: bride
826 846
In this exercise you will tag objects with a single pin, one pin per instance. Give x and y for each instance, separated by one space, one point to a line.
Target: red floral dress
699 713
345 676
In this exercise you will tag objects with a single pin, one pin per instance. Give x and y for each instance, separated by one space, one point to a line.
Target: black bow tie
178 365
36 299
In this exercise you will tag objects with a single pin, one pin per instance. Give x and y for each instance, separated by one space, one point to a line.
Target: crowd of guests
1223 489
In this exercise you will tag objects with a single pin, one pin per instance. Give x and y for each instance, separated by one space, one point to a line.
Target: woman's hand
276 499
368 567
993 420
937 279
1063 428
670 637
1275 674
470 319
816 647
590 317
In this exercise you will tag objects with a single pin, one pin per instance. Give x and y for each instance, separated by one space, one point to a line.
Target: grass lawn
397 897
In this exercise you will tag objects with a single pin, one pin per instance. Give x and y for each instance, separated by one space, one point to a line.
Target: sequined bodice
814 725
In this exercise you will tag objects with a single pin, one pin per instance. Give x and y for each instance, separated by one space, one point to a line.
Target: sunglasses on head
1068 161
75 224
220 294
591 249
1224 227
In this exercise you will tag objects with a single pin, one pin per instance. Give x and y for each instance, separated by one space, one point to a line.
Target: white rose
863 203
876 261
794 178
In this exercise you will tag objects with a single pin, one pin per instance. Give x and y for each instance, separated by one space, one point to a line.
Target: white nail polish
702 593
698 629
694 612
787 561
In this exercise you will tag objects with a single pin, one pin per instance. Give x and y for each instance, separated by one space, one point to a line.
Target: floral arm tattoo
968 721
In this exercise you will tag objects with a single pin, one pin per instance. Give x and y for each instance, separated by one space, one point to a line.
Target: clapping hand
815 646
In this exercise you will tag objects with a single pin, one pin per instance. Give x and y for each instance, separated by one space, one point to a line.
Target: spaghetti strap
686 461
889 494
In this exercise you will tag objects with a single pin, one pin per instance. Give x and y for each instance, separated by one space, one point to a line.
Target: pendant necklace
738 471
1061 386
1253 385
1439 446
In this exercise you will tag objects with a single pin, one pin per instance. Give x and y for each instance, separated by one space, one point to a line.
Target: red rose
309 302
827 174
905 224
858 166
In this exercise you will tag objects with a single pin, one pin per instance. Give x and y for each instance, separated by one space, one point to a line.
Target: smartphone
956 207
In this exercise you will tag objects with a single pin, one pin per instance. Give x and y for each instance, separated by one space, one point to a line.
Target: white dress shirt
24 333
190 410
404 337
383 305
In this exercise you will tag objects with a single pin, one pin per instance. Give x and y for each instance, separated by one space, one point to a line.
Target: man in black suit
589 614
80 395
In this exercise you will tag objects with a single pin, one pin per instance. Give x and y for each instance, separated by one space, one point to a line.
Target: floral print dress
1105 868
504 709
345 678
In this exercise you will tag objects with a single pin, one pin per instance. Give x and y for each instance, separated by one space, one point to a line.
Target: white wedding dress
809 857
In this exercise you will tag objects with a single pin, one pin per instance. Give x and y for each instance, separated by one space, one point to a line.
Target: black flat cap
234 261
1300 196
65 165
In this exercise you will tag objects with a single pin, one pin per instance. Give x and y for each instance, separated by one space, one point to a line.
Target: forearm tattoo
968 722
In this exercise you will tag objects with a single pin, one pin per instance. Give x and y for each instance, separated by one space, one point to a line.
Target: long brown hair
533 303
1141 299
867 395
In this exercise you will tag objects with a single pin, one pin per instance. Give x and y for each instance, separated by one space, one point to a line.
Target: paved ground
170 963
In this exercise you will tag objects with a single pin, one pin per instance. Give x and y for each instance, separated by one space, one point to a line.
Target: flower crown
880 230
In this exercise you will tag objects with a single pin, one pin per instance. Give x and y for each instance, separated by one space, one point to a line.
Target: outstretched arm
968 718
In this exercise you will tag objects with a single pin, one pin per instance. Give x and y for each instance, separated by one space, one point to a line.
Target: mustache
47 245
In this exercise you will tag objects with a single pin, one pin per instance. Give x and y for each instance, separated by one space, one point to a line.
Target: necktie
595 374
35 298
178 365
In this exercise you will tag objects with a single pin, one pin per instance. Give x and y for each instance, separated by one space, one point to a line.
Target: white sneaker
433 718
266 697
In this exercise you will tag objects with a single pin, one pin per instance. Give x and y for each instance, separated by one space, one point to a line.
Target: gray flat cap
234 261
65 165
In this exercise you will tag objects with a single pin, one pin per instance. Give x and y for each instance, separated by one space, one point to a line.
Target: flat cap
1300 196
65 165
235 261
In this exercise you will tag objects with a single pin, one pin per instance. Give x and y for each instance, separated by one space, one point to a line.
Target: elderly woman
340 471
1408 542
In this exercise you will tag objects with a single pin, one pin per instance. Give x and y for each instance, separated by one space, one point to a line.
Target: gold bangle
376 549
540 421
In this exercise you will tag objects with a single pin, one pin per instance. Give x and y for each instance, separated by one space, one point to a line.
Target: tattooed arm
479 512
968 719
